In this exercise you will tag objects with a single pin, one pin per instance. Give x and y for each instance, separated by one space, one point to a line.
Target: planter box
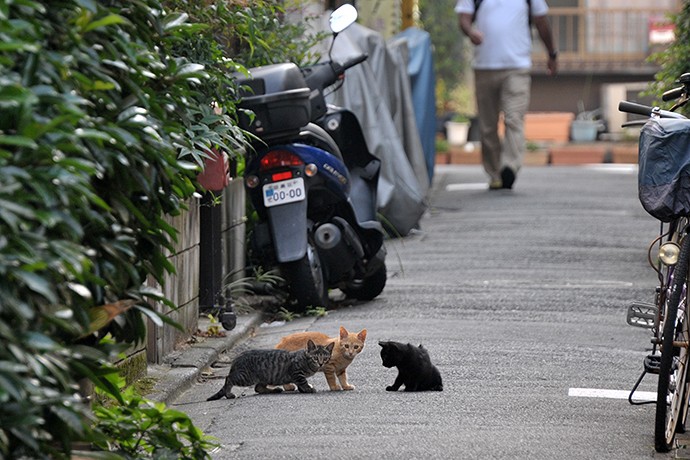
442 158
548 126
577 154
460 156
537 158
624 153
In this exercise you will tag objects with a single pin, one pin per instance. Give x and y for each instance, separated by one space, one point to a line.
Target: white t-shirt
507 36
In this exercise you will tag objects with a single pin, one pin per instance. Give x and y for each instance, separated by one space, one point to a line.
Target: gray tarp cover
664 174
378 92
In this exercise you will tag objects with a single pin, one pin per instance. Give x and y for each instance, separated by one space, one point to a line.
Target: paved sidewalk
183 367
519 296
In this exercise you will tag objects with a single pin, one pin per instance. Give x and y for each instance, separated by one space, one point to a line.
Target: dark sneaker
508 177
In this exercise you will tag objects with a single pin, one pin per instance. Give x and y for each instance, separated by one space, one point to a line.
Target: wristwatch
553 55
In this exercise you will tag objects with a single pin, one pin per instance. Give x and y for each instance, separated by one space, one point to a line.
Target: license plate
283 192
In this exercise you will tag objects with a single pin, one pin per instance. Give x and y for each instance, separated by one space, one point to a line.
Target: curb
183 367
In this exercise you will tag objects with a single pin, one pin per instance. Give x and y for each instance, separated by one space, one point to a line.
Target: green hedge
106 112
674 60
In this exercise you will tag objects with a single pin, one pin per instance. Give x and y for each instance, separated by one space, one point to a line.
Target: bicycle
665 138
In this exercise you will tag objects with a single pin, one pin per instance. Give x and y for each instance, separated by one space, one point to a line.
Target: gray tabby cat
275 367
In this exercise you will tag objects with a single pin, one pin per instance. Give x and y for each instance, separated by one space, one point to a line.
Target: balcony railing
604 39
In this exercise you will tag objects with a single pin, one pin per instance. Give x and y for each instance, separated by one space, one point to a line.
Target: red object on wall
216 173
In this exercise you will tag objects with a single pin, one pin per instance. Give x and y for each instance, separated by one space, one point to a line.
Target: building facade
604 50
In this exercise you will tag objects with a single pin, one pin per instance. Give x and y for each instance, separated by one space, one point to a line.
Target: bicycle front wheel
671 395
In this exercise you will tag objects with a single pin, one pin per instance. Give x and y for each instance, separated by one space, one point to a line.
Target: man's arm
465 21
544 29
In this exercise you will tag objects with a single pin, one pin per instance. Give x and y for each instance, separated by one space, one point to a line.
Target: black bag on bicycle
664 174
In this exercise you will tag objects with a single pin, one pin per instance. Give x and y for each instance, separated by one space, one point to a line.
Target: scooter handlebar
353 62
322 75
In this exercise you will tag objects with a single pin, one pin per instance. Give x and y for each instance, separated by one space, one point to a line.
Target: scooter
313 181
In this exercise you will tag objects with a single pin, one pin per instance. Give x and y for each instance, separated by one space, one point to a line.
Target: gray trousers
508 92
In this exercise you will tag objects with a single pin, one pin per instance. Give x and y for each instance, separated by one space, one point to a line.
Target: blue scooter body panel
333 170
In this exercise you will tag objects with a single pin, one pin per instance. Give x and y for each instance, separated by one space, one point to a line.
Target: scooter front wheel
306 280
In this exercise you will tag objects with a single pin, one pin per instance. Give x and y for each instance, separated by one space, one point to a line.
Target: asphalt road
520 298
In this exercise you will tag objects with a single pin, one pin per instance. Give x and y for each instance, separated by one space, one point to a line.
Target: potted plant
586 126
457 128
442 153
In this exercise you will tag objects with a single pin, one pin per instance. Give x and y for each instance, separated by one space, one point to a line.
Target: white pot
456 132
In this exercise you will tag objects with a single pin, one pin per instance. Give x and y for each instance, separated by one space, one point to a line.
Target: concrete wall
568 93
182 288
233 231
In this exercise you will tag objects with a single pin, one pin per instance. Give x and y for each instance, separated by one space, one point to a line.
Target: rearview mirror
342 18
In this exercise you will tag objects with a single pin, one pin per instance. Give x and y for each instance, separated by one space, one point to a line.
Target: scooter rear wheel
367 288
306 280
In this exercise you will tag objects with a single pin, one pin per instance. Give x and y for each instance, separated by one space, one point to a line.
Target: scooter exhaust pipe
327 236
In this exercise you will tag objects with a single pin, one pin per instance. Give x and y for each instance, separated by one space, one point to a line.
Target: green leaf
88 5
9 387
18 141
105 22
100 85
174 20
69 417
191 70
14 96
96 455
153 316
38 284
118 64
17 209
94 134
10 46
38 341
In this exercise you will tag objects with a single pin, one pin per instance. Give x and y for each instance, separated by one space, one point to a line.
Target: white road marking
614 168
611 394
470 186
624 168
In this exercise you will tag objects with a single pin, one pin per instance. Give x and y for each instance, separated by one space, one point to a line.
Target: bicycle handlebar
633 107
646 110
673 94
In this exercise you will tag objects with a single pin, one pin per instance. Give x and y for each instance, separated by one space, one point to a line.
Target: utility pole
408 8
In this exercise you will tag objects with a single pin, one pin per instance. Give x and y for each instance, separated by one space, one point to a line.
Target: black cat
415 369
275 367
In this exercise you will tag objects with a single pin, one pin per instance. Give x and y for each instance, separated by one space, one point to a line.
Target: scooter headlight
251 181
310 170
668 253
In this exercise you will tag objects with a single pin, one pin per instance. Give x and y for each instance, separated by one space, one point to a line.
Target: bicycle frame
669 255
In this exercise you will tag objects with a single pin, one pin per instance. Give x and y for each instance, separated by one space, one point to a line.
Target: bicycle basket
664 174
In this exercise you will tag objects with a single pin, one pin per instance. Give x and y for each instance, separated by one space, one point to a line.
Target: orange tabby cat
347 346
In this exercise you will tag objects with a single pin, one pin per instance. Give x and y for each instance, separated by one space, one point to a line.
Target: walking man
501 33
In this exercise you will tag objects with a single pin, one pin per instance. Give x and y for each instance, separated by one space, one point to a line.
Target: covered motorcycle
313 182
